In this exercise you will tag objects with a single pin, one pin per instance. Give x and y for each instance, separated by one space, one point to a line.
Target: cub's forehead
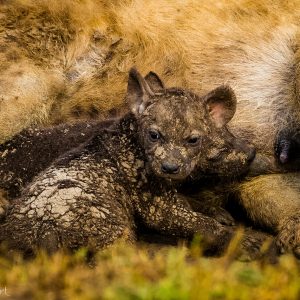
179 110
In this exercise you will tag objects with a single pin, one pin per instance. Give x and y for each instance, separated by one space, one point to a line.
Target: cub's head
183 133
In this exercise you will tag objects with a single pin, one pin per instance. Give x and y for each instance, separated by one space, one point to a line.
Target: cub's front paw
288 238
211 210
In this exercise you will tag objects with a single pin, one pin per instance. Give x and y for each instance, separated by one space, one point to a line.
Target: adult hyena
93 194
61 61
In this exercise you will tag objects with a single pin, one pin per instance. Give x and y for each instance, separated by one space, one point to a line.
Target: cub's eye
154 136
193 140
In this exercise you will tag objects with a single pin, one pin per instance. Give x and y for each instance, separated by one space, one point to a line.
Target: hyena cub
95 193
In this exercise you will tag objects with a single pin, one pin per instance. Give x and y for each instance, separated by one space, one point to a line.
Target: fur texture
80 53
66 61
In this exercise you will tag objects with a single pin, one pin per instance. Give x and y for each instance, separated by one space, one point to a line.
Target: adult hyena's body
66 56
63 61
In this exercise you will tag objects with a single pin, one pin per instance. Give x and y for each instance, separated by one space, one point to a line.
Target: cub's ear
221 105
138 92
155 82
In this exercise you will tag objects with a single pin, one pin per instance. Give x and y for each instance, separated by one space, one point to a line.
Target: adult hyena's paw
288 238
4 203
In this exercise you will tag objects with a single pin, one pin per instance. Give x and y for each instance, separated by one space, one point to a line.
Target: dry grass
128 272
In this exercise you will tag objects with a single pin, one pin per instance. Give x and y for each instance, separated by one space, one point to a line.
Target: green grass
128 272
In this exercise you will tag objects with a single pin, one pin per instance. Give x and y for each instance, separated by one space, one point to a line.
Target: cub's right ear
221 105
155 82
138 92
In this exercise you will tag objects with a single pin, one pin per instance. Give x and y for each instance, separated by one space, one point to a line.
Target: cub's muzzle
169 168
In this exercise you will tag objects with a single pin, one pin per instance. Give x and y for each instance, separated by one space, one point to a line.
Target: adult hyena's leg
172 215
274 202
27 93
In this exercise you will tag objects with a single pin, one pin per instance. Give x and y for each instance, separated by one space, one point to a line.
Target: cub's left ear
221 105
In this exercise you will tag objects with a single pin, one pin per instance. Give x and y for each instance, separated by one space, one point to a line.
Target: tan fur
94 43
75 56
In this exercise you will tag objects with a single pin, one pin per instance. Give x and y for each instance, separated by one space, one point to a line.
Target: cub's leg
273 201
173 215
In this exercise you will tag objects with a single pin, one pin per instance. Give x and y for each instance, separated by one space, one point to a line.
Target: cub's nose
169 168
